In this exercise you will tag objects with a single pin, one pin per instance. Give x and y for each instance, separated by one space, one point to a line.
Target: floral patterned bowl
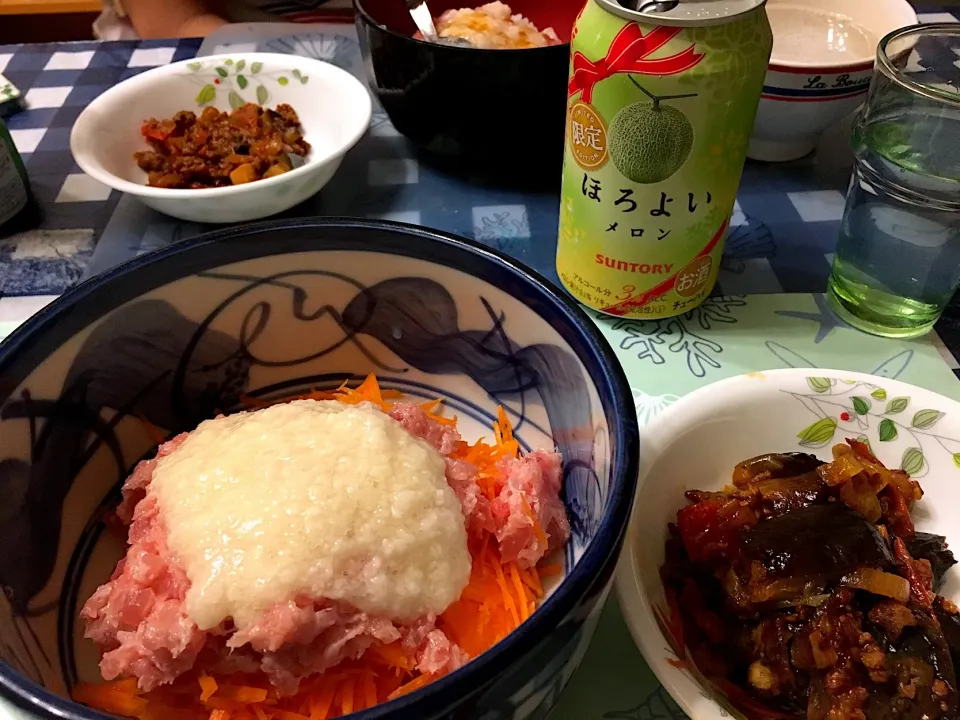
696 442
269 311
334 109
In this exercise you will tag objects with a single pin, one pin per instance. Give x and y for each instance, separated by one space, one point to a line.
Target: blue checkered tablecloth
782 233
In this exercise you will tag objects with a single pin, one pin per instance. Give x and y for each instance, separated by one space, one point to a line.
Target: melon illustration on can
660 109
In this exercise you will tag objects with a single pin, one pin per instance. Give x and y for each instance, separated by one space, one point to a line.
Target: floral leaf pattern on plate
232 79
207 95
888 431
924 419
897 405
819 384
860 409
819 433
913 462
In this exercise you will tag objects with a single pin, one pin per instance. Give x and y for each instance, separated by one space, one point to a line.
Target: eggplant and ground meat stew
218 149
803 590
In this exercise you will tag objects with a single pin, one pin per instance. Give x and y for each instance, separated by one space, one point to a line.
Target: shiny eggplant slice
781 495
922 683
818 541
775 465
950 623
926 546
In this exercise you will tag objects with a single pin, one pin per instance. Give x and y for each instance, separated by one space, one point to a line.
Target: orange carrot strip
320 706
346 696
415 684
531 580
218 714
430 405
261 715
287 715
155 434
521 593
243 694
104 697
369 690
550 570
393 655
127 685
208 686
452 421
370 389
507 597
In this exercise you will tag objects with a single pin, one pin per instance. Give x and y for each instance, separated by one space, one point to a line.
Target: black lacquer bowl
495 114
269 311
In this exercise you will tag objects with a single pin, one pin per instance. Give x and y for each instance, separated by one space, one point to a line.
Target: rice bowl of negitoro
290 482
319 556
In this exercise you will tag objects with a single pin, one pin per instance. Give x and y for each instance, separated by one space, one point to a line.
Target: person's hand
201 25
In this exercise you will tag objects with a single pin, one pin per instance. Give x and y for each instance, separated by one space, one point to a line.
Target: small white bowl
696 442
334 109
801 99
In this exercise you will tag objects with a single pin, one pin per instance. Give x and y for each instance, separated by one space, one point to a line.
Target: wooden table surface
46 7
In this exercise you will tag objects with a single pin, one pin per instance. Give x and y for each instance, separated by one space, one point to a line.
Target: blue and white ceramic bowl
270 310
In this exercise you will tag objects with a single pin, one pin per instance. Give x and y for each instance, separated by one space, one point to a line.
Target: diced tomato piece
861 449
706 535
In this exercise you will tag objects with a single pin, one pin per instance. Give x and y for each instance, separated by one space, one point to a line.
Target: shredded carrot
531 578
415 684
287 715
208 687
497 599
521 593
507 597
242 694
346 697
550 570
321 704
156 435
369 690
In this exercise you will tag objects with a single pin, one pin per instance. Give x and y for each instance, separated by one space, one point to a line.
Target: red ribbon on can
667 285
628 54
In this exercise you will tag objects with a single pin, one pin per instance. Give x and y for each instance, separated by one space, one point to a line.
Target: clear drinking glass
897 262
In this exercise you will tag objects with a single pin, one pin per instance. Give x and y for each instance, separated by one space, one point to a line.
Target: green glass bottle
18 210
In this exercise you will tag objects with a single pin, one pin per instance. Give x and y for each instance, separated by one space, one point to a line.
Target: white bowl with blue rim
695 443
178 335
820 69
333 106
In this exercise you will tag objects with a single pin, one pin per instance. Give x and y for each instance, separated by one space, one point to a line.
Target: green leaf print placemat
666 359
732 335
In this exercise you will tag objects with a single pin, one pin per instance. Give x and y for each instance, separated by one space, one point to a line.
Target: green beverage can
661 104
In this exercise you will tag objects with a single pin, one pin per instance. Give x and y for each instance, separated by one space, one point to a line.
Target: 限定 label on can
659 116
